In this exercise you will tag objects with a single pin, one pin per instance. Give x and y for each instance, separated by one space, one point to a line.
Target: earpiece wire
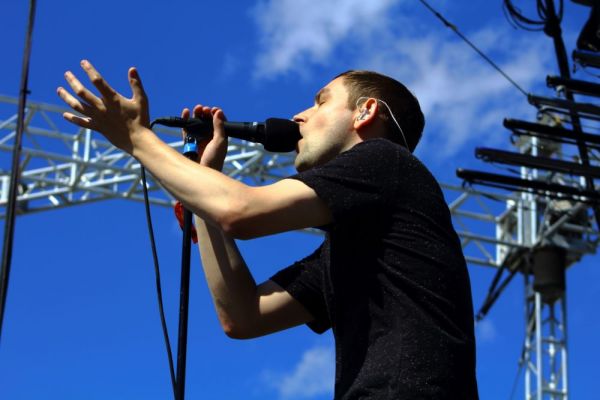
391 114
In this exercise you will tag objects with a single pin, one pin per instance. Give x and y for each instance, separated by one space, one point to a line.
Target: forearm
230 282
239 210
206 192
230 208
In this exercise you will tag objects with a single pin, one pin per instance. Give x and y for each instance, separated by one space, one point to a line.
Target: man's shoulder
373 152
379 143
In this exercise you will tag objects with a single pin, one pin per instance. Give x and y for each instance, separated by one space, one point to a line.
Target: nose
301 117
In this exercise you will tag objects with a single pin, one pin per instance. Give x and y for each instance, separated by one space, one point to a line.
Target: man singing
390 278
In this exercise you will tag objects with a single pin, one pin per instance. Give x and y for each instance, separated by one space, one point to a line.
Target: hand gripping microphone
277 135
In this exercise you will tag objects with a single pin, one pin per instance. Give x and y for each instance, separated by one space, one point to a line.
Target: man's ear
366 113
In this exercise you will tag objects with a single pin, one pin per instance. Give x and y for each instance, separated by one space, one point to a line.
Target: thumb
136 86
218 122
185 114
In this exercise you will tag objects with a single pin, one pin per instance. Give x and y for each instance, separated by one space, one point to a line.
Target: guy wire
463 37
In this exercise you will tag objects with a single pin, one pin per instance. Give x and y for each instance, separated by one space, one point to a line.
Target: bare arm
227 208
244 309
240 210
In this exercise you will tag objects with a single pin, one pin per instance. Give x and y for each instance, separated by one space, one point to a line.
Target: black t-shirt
390 279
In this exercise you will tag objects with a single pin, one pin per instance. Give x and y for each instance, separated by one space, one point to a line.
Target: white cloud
312 376
486 331
462 96
464 99
297 31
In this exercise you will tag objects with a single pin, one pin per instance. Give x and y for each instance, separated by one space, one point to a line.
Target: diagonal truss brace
61 168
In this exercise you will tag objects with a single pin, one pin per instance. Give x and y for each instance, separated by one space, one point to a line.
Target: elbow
235 227
241 231
238 332
235 222
237 325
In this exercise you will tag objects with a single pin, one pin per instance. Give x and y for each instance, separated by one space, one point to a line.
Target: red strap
178 208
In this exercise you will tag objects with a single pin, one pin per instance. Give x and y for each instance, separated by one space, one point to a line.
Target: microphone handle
275 134
251 131
201 129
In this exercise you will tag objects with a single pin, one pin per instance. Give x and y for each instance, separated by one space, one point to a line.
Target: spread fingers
103 87
81 91
82 108
84 122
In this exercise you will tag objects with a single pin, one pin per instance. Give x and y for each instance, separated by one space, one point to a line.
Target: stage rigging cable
9 227
481 53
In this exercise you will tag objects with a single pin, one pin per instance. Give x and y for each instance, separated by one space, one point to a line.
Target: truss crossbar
63 166
545 350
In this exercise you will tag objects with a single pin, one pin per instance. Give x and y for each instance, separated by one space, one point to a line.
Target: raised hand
119 119
211 151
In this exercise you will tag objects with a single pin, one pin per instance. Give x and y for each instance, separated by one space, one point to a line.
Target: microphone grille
281 135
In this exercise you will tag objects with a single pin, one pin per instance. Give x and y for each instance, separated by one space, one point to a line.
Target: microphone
277 135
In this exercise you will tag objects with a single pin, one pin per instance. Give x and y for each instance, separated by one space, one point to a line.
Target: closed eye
321 96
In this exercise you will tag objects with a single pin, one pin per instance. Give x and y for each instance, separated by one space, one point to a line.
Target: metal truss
545 347
490 226
537 222
62 166
476 221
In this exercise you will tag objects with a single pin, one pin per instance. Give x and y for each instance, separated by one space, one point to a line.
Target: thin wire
158 285
392 115
585 69
9 226
463 37
518 20
503 167
515 382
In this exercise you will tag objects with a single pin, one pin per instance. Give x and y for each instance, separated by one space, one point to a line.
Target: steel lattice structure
61 168
64 166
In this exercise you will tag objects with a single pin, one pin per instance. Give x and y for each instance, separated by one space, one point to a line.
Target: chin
300 167
300 164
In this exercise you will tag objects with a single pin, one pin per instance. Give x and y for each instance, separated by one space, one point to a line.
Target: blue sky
81 319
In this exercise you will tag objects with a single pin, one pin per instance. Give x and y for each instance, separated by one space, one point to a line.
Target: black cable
158 284
516 381
9 227
517 19
463 37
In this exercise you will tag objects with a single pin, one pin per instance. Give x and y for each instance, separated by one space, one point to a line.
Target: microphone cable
158 280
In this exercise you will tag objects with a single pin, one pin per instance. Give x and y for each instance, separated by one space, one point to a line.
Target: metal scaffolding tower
64 166
513 233
541 227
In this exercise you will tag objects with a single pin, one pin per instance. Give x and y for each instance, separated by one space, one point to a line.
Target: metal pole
553 30
527 355
539 356
184 296
9 227
190 150
564 353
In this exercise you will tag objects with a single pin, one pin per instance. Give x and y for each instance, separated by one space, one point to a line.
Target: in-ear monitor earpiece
364 112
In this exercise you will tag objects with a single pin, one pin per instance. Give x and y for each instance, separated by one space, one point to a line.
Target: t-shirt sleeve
357 183
303 280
